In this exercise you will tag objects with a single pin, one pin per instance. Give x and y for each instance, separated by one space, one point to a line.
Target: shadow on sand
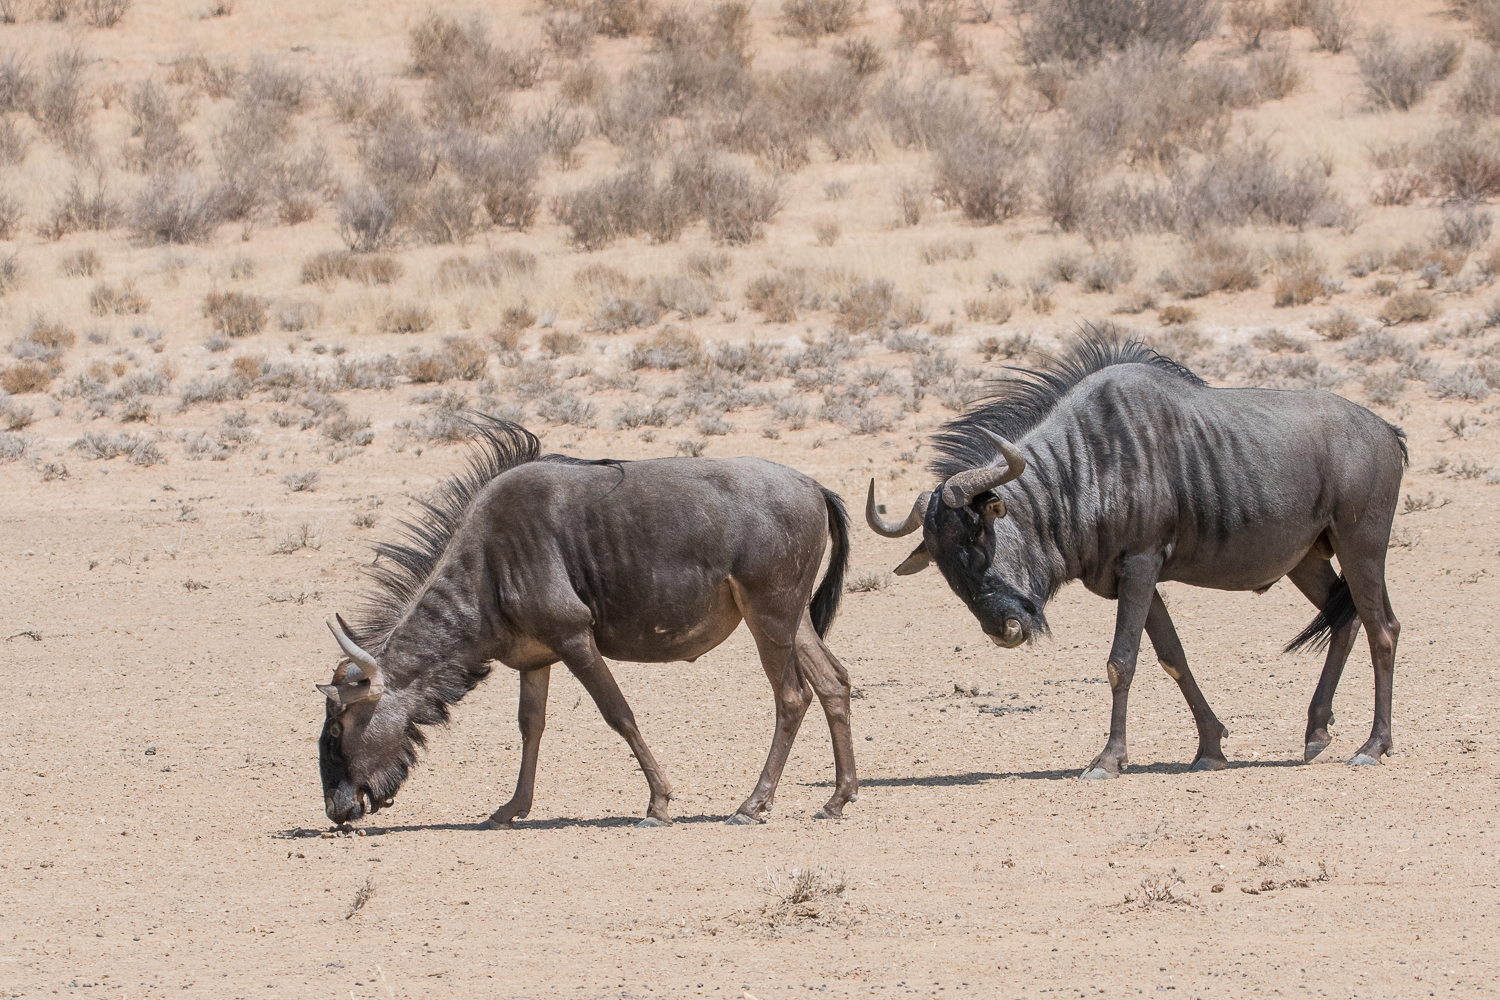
1068 774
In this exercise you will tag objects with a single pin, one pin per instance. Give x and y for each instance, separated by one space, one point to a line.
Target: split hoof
1096 774
1313 749
1209 764
651 822
741 819
1364 760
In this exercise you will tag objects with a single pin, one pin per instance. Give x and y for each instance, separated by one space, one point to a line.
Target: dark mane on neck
402 567
1015 403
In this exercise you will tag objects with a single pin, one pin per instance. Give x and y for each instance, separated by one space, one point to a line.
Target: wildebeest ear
349 693
919 560
995 509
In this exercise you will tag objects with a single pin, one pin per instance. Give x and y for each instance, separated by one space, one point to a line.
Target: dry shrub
982 170
445 214
78 210
1385 388
104 13
1213 263
106 299
295 315
990 309
1465 162
580 84
1399 187
1340 324
778 295
501 174
809 20
1275 73
862 56
1083 30
459 358
370 269
556 343
1104 272
1299 286
26 376
235 314
468 76
157 142
1333 23
175 210
565 406
1176 315
1479 91
405 317
1150 105
936 253
1397 76
367 221
17 83
738 206
620 18
1406 307
669 349
60 106
488 271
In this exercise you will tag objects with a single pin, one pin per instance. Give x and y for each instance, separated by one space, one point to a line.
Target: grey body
1128 471
546 559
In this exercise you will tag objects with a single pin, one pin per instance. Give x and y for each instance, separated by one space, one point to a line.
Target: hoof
493 824
1363 760
651 822
825 814
1209 764
1096 774
1313 749
741 819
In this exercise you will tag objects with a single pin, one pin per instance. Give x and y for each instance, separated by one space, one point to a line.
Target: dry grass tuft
459 358
805 896
1406 307
235 314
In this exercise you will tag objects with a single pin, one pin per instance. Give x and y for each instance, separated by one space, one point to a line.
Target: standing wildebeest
1127 469
530 559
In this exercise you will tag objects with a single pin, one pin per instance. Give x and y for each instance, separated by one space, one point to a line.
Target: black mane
402 568
1016 403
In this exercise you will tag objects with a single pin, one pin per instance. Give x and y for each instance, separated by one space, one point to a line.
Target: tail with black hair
825 602
1338 611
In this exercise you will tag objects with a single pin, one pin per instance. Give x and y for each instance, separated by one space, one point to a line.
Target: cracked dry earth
161 832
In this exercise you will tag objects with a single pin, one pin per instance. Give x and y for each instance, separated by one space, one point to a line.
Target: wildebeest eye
335 730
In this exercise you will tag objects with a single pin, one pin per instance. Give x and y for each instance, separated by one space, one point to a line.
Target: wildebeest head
965 531
365 749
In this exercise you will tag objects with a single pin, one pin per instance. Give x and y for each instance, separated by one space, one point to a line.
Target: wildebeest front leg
1137 585
583 659
1173 660
533 718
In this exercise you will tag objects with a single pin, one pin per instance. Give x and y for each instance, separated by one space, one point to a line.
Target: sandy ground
162 831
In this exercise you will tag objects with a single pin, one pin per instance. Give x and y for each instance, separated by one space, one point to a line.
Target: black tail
1337 612
825 602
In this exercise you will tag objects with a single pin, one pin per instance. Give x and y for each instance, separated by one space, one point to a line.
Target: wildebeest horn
895 529
366 663
963 487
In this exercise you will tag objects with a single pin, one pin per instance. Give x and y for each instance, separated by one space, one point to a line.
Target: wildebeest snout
343 806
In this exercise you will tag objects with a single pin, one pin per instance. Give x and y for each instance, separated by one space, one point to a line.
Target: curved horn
895 529
363 660
963 487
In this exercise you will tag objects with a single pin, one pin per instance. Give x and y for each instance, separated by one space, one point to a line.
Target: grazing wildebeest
1115 466
531 559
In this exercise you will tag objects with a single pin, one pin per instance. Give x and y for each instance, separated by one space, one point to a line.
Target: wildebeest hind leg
1316 578
583 659
1168 646
820 668
1367 586
776 642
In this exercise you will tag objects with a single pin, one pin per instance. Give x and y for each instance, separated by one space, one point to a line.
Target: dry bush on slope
1084 30
369 269
1397 76
459 358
